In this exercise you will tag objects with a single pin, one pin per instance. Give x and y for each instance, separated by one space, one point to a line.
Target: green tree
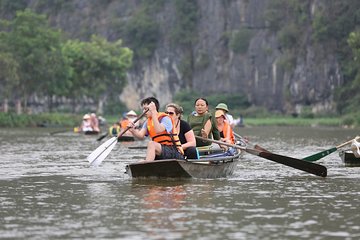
9 78
35 47
98 68
348 97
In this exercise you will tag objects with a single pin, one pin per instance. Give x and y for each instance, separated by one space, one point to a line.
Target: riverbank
71 120
284 121
39 120
290 121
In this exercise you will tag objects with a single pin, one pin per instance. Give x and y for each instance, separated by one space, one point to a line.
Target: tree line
36 59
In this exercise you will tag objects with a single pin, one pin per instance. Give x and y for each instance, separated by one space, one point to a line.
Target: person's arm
159 126
138 133
154 114
206 130
190 140
215 132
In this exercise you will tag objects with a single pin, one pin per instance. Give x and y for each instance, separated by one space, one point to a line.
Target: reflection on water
49 191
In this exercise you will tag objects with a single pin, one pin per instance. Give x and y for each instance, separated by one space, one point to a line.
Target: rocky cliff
264 71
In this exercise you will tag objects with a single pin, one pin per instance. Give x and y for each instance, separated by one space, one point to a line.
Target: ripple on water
49 191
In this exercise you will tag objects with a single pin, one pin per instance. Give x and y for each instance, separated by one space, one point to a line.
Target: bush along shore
39 120
71 120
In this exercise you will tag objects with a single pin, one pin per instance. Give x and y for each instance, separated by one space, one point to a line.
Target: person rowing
165 143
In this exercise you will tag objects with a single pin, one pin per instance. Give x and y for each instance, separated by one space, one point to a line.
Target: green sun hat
222 106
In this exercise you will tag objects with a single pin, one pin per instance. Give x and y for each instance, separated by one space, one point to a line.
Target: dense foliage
37 60
96 68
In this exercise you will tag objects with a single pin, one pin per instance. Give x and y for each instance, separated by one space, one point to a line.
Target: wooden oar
60 131
309 167
137 147
102 137
322 154
316 156
238 136
240 139
261 148
99 154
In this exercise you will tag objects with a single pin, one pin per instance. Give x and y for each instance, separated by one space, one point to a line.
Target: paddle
242 141
261 148
322 154
309 167
60 131
99 154
137 147
102 137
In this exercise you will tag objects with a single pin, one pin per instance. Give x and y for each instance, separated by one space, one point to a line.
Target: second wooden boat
126 138
349 159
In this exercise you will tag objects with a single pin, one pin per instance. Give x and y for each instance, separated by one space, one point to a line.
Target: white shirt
229 118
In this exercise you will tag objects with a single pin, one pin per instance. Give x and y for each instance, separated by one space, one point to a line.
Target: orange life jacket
164 137
225 132
124 123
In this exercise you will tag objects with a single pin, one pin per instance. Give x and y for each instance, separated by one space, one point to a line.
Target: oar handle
348 142
237 135
137 119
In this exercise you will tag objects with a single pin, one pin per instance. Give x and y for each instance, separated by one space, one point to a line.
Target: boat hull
349 159
174 168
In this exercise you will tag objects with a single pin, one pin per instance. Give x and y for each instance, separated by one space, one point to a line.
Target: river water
48 191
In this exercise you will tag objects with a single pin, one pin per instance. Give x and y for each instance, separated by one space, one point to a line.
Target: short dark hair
148 100
204 99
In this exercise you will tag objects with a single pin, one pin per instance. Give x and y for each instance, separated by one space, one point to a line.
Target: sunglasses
170 113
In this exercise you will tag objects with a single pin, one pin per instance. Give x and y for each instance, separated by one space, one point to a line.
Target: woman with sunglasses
185 133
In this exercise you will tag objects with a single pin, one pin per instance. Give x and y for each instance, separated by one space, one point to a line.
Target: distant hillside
283 55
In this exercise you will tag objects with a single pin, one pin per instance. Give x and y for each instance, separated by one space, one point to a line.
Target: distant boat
239 122
78 130
349 159
91 132
126 138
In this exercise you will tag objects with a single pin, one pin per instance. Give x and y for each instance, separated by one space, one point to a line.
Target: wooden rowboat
349 159
217 166
91 132
126 138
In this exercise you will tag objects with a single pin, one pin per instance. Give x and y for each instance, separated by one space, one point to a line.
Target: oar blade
313 168
316 169
102 137
60 131
99 154
309 167
317 156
